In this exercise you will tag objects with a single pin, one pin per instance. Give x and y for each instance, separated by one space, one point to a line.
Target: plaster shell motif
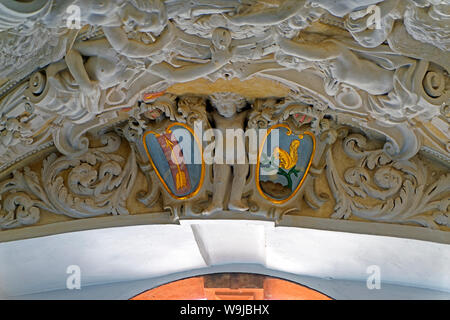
347 78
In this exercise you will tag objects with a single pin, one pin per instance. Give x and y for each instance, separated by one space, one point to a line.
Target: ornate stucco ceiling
82 80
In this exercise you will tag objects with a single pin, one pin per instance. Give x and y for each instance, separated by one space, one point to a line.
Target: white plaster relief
381 81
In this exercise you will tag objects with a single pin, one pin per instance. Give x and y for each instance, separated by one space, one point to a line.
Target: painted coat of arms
283 163
176 157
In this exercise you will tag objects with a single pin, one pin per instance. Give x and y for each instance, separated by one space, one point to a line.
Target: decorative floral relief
375 187
402 187
95 183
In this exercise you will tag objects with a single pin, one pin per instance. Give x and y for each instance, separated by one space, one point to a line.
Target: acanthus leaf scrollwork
95 183
401 188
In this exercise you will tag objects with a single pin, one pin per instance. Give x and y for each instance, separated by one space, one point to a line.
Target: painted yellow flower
288 160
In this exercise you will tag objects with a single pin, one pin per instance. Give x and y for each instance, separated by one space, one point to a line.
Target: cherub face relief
221 38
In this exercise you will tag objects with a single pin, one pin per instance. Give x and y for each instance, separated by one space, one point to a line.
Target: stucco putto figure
342 63
230 167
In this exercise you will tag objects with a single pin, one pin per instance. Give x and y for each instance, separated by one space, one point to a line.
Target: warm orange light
147 97
235 286
150 96
190 289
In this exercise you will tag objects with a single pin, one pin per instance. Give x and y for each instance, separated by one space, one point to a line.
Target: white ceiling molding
337 289
136 253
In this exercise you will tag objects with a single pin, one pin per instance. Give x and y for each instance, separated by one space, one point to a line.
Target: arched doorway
231 286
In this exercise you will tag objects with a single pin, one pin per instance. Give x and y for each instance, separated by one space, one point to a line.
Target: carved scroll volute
95 183
400 186
53 92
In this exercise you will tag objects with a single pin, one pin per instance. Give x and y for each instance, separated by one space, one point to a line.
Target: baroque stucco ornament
372 185
368 92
